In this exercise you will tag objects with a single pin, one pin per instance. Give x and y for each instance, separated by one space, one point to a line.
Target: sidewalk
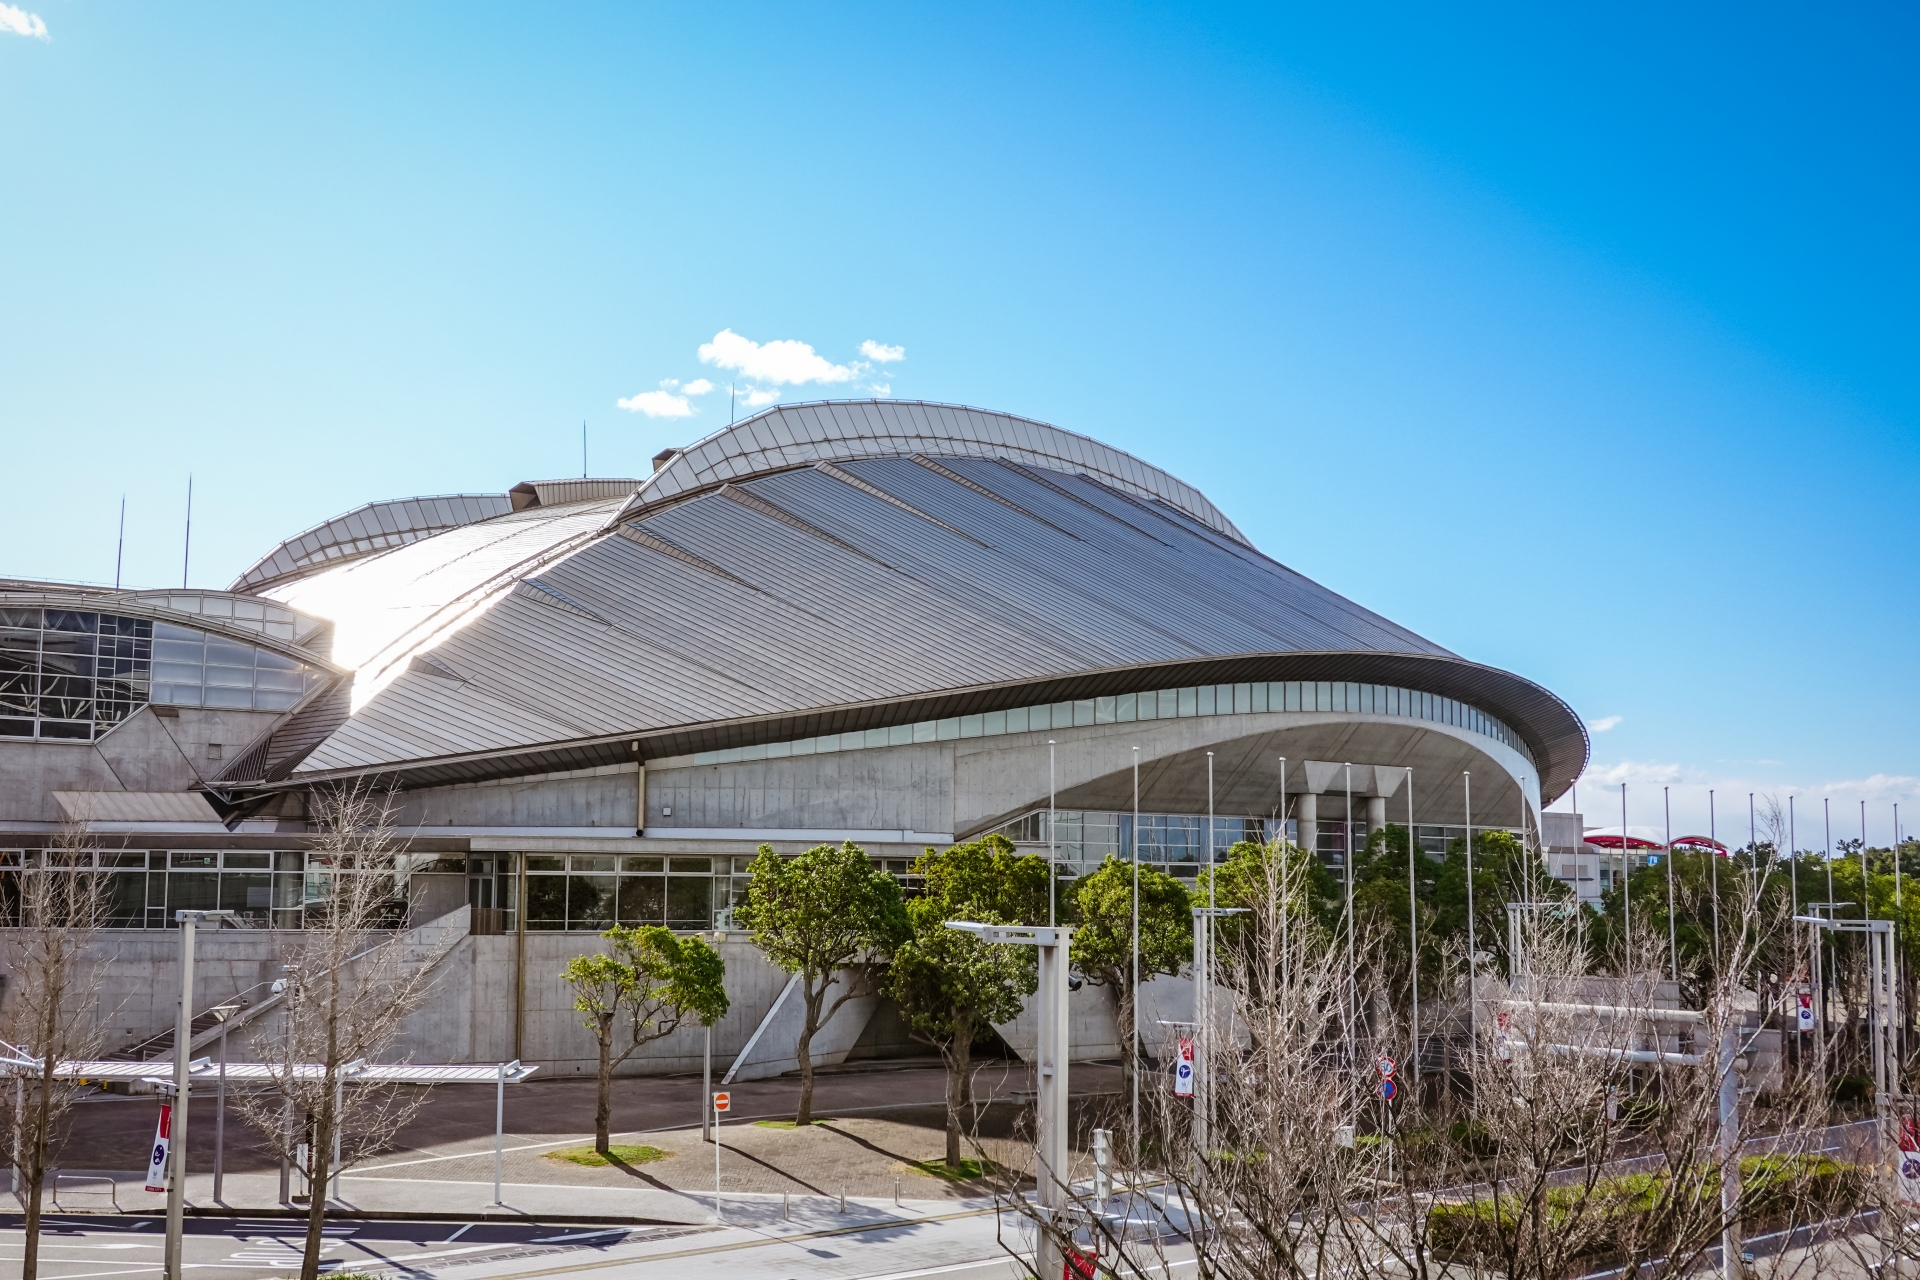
445 1168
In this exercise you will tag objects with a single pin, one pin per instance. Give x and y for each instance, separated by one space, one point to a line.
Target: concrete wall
469 1016
904 788
602 797
145 752
970 785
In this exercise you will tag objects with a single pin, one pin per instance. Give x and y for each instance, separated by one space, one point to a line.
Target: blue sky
1580 341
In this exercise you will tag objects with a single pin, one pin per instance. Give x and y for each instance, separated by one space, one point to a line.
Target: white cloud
698 387
779 362
1880 787
881 353
22 23
657 404
1635 772
881 388
1604 723
757 396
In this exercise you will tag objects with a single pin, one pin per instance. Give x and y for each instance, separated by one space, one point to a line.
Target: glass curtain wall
72 674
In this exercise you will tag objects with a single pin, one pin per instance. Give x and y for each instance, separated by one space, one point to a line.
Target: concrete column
1306 809
1376 813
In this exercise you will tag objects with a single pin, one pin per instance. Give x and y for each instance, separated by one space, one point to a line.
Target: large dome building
895 623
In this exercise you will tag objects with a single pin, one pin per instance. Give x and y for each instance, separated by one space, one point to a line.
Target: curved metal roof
824 593
796 435
363 531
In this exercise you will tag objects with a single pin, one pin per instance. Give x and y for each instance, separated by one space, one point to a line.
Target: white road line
581 1235
456 1235
1008 1258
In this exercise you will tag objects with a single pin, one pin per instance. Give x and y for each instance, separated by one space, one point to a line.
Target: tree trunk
320 1166
804 1051
959 1069
36 1177
603 1104
1123 998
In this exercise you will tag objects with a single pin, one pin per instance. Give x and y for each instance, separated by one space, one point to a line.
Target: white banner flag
1183 1069
162 1143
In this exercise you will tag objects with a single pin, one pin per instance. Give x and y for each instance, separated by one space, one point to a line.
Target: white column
1376 813
1050 1086
1306 810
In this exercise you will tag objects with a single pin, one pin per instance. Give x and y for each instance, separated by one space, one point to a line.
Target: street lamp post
223 1012
182 1049
1053 1172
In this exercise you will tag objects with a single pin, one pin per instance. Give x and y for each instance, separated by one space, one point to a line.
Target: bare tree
351 981
54 975
1587 1124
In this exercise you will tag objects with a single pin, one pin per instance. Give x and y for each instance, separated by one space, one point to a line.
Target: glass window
692 866
641 864
127 899
251 896
248 861
589 902
643 899
192 891
970 726
546 902
182 858
1018 719
690 903
592 862
545 862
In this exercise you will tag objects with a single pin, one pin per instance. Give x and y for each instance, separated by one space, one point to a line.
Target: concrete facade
155 749
960 789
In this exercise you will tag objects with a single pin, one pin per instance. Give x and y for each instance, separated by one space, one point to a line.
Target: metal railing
113 1187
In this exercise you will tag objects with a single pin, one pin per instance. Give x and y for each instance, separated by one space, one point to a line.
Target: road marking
759 1242
456 1235
1008 1258
581 1235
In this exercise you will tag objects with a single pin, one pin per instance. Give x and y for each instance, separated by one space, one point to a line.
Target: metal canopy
107 1071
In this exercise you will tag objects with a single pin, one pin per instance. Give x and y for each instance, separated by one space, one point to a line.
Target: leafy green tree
1103 937
655 981
817 914
951 986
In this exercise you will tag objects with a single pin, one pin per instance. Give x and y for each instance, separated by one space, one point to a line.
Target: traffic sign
1387 1089
1386 1067
721 1101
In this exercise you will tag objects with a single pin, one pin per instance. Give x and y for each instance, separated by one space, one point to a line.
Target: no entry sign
722 1101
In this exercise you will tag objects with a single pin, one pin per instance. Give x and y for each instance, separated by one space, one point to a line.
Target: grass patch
788 1124
617 1155
968 1170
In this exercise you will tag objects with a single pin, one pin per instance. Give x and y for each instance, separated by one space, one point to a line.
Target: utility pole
1052 1170
182 1048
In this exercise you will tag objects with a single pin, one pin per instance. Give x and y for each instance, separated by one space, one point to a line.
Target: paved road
960 1245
